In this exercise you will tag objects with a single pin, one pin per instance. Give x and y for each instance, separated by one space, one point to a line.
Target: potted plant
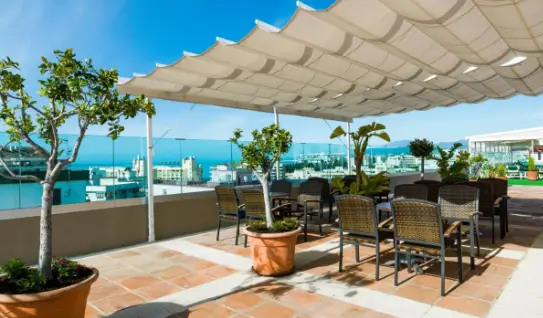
421 148
364 185
74 91
531 171
272 242
360 139
501 172
477 163
458 170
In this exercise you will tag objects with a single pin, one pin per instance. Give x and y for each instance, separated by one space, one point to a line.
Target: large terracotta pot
273 253
69 302
531 175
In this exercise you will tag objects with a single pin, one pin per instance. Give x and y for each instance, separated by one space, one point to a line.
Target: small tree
361 138
72 89
421 148
261 154
477 163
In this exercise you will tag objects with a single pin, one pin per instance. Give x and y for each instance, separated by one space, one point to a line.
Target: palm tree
360 139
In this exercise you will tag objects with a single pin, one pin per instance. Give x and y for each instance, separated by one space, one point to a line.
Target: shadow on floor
151 310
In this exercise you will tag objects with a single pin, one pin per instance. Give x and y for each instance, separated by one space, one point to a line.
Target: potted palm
75 92
421 148
477 163
501 172
458 170
364 184
272 242
531 171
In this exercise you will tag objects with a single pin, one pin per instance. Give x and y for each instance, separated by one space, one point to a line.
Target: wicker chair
501 197
486 205
327 196
358 226
283 186
308 203
418 228
229 208
433 188
411 191
461 203
255 208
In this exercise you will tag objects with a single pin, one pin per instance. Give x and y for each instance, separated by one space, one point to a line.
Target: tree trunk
46 245
267 204
422 168
358 170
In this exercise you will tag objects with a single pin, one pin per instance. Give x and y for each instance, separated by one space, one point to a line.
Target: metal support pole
278 163
349 148
150 198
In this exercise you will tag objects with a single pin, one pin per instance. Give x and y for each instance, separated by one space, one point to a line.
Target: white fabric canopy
365 58
512 135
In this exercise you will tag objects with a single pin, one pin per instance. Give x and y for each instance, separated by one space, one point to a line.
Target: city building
222 174
105 184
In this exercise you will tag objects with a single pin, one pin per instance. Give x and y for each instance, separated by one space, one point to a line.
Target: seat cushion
361 238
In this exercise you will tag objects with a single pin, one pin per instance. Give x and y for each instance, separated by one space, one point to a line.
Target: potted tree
421 148
364 185
74 91
458 170
476 164
531 171
272 242
501 172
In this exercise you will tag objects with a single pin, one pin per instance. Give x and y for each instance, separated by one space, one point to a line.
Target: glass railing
112 170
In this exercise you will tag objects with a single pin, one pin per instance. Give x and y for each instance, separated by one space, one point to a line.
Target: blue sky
133 35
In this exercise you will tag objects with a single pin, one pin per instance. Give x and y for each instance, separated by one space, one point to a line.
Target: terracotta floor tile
120 274
497 270
432 281
270 289
100 282
104 291
150 249
123 254
244 252
171 272
502 261
465 304
191 280
272 310
488 280
486 293
200 265
210 310
92 312
417 293
298 298
329 307
167 254
183 260
112 304
242 300
157 290
218 271
138 281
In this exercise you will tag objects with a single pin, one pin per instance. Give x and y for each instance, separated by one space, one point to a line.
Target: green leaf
338 132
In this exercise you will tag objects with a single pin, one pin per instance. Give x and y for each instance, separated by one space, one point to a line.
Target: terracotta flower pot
531 175
273 253
66 302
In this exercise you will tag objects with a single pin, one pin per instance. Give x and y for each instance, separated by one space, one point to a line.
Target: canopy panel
365 58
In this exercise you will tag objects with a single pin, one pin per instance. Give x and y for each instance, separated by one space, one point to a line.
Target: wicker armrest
386 223
313 201
506 197
474 213
450 230
334 192
282 206
241 207
498 201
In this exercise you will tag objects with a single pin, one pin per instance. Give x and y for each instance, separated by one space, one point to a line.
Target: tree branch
12 176
75 150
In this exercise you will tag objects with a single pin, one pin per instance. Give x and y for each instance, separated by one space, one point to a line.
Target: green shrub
531 164
20 278
278 226
501 170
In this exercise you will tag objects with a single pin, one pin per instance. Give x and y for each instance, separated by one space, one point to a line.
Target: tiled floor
201 277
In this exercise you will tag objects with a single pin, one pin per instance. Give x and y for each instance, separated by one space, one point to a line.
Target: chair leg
340 254
472 236
477 237
443 274
409 268
396 266
237 230
493 226
505 213
357 252
459 251
219 227
377 256
305 226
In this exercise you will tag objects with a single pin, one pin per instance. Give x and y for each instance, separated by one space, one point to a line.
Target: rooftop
197 276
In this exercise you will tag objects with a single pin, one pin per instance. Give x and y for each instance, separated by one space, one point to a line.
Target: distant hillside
405 143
